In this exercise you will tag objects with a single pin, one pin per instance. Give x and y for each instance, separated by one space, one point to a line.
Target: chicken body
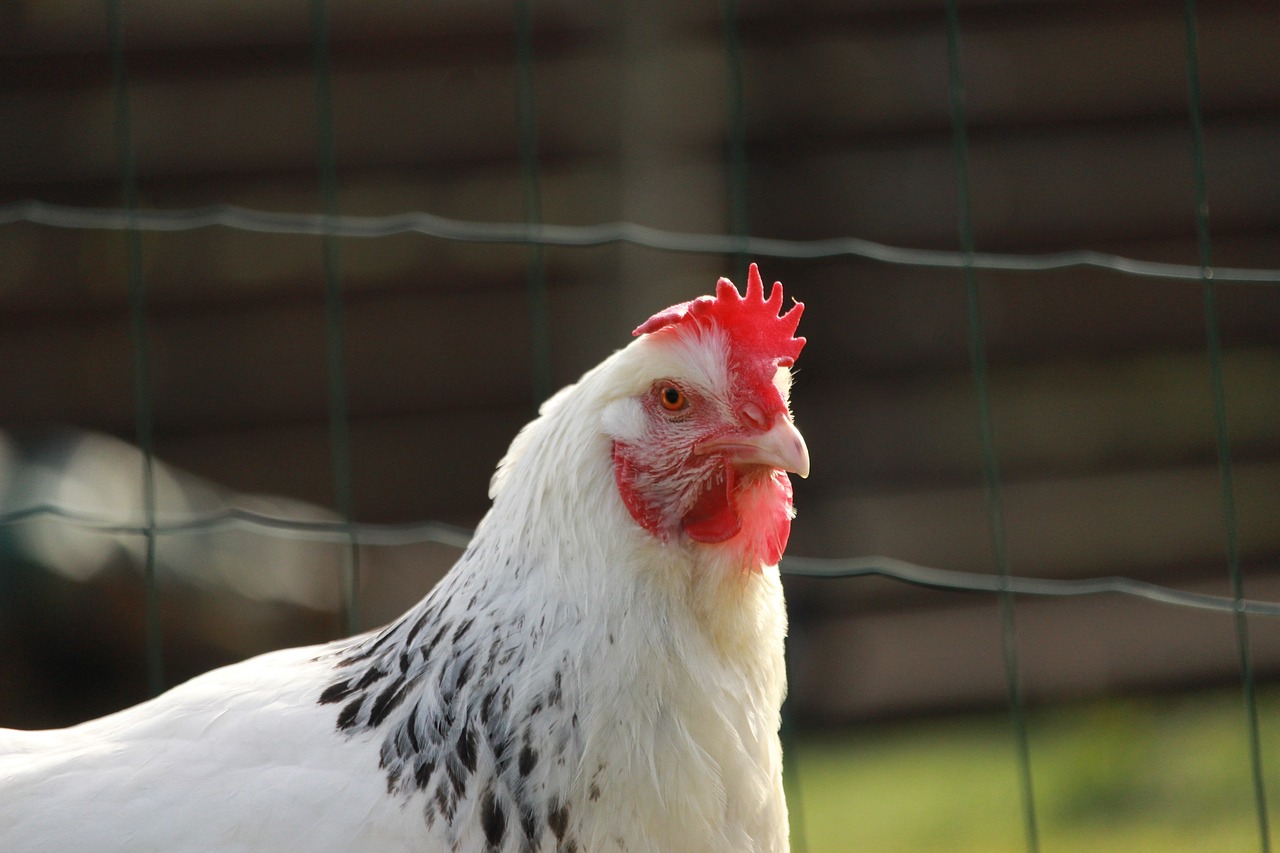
602 670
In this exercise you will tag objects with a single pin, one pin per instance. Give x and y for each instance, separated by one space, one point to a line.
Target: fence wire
987 437
455 536
331 226
169 220
1221 435
143 412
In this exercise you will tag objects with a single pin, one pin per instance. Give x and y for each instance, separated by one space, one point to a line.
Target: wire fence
425 224
131 221
454 536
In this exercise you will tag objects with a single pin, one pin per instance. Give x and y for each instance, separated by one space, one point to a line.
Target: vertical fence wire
736 147
335 318
531 192
144 414
990 466
740 230
1222 436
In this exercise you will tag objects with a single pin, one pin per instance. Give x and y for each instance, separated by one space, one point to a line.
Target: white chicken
602 669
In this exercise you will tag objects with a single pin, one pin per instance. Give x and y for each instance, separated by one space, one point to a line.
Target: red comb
752 322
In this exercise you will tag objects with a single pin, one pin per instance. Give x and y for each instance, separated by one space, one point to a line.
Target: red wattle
765 512
714 517
776 543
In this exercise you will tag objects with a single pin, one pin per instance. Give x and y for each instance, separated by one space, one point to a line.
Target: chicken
602 669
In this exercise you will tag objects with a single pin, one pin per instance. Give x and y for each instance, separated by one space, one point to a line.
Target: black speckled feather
456 723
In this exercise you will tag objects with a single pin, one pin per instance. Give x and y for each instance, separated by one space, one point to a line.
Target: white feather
645 678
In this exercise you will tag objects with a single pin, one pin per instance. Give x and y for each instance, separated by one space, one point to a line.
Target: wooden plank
1020 68
1053 192
1134 522
154 24
404 469
392 117
1054 417
949 655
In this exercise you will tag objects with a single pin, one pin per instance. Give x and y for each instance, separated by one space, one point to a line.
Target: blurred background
802 120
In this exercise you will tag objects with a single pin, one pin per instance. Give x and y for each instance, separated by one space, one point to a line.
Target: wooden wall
1079 139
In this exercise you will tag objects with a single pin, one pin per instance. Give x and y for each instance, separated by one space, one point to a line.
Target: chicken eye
673 399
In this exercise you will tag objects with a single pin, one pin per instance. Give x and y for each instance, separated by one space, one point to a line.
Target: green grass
1158 774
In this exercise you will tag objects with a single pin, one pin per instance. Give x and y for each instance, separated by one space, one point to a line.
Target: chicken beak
781 446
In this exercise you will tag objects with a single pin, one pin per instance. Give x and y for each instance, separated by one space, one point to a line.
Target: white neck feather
678 651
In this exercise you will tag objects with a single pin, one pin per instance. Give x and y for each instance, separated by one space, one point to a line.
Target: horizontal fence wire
600 234
454 536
